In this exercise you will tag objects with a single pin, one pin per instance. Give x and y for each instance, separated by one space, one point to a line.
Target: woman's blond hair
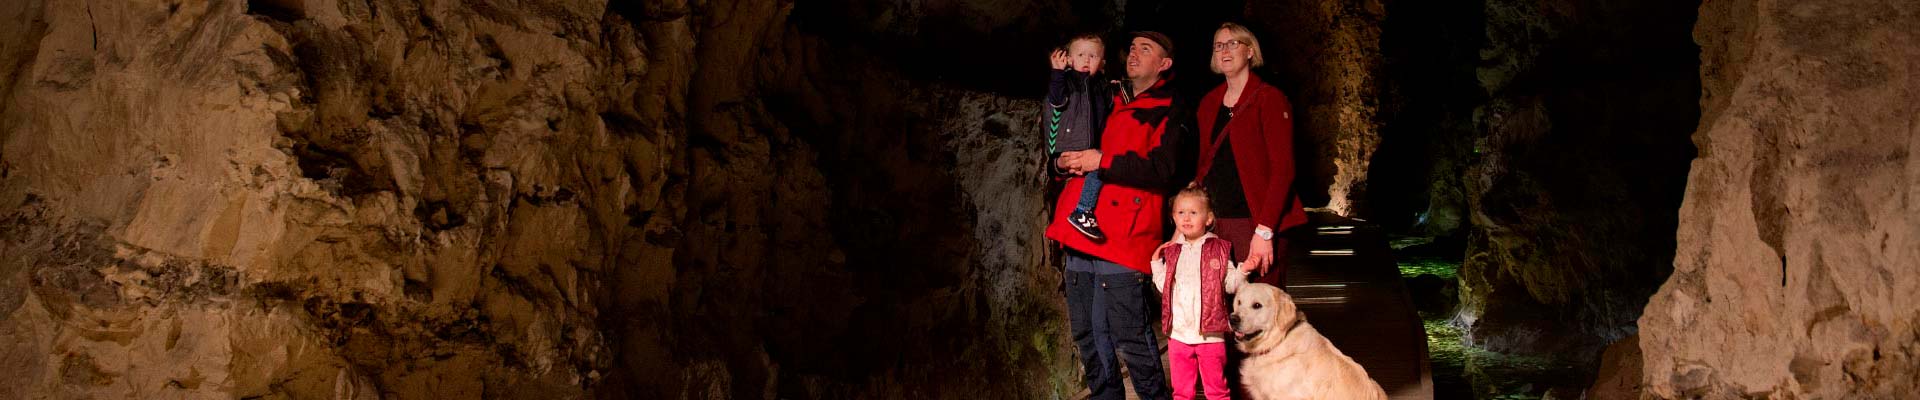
1240 33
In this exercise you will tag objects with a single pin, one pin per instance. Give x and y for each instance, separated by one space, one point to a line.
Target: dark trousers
1112 310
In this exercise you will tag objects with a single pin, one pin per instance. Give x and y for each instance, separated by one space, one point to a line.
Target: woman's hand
1259 255
1059 59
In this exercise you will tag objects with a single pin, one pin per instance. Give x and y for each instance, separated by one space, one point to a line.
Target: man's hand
1059 59
1081 162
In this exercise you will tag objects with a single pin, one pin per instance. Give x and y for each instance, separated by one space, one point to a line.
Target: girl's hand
1259 255
1157 250
1059 59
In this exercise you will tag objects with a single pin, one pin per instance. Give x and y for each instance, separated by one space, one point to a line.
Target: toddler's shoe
1083 221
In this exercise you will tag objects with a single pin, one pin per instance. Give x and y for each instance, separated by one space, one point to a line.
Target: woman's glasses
1235 44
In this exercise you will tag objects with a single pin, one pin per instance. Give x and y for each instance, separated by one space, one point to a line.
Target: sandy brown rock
1619 372
291 199
1795 273
297 198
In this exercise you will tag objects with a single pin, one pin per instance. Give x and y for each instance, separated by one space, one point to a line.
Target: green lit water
1465 372
1433 266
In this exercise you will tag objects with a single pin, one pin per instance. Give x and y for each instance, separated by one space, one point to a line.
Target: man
1109 290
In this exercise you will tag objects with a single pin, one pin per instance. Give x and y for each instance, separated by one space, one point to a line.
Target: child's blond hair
1091 37
1195 192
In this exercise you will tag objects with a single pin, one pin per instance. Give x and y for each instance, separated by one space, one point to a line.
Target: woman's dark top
1223 179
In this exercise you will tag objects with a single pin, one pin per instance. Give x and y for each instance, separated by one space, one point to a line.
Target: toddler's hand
1059 59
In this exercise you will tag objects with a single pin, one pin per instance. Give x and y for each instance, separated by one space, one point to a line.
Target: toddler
1078 102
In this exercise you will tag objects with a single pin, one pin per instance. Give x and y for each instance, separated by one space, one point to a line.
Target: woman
1246 156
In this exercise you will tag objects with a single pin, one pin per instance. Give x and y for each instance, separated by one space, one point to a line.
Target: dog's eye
1256 306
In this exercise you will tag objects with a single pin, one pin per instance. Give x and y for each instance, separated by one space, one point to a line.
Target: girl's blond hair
1196 192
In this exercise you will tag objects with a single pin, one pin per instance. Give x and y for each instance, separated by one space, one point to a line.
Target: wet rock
1433 294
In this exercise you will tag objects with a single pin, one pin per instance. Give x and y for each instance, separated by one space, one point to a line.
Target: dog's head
1262 313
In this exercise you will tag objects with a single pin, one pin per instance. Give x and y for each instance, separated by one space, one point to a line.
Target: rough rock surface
375 199
1577 168
1798 267
1619 372
1326 56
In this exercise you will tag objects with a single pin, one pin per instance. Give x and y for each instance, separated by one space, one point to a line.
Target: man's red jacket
1139 165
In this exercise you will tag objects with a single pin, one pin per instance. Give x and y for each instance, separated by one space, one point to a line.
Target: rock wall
1798 264
1577 168
287 198
1326 56
371 199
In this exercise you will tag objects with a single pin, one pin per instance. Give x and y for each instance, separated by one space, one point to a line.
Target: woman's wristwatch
1263 233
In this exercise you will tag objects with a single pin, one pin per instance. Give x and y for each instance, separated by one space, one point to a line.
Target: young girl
1193 306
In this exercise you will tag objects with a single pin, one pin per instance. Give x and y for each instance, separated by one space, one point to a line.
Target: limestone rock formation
233 199
1798 268
1576 167
1326 56
386 199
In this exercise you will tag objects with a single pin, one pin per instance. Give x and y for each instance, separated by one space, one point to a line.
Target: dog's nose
1234 319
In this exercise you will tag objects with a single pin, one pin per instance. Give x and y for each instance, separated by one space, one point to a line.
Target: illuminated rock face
1798 267
1326 56
523 200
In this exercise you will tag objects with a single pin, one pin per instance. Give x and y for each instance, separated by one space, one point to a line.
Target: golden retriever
1286 357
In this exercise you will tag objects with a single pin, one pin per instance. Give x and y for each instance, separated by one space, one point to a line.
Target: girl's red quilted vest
1215 255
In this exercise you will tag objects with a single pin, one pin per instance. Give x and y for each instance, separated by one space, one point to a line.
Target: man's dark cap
1166 43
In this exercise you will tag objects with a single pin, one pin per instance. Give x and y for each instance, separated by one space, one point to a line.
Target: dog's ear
1285 313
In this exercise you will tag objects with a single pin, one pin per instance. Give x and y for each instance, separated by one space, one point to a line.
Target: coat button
1136 200
1113 203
